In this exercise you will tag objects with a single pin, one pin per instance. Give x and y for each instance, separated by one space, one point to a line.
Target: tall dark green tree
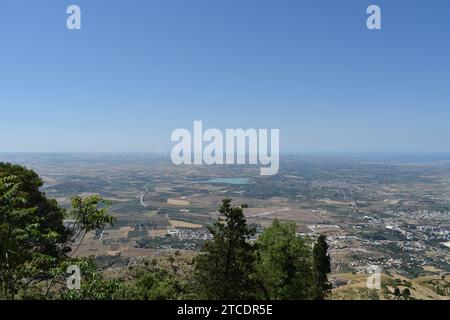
225 269
406 294
284 263
321 268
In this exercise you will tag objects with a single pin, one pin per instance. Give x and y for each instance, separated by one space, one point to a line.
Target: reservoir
234 181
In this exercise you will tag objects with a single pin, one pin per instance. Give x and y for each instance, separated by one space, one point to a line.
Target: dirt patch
178 202
183 224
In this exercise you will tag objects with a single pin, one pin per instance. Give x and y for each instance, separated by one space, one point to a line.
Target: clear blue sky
139 69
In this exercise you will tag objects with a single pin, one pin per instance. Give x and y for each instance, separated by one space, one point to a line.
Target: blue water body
235 181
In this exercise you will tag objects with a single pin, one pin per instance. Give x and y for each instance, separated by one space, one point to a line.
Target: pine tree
225 269
321 267
406 294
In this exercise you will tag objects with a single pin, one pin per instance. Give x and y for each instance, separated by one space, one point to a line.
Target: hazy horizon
349 155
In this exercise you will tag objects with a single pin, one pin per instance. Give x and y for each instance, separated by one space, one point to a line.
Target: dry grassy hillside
423 288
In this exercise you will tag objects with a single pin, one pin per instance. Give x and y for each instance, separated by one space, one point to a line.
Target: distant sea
403 157
51 158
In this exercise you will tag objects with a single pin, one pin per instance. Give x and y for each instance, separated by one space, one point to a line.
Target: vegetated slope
179 263
422 288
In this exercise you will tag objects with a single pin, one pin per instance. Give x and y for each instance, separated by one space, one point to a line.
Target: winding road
143 196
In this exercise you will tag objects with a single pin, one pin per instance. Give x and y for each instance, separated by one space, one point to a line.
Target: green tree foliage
321 267
90 213
284 263
33 238
226 267
93 285
47 210
34 243
156 284
141 284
